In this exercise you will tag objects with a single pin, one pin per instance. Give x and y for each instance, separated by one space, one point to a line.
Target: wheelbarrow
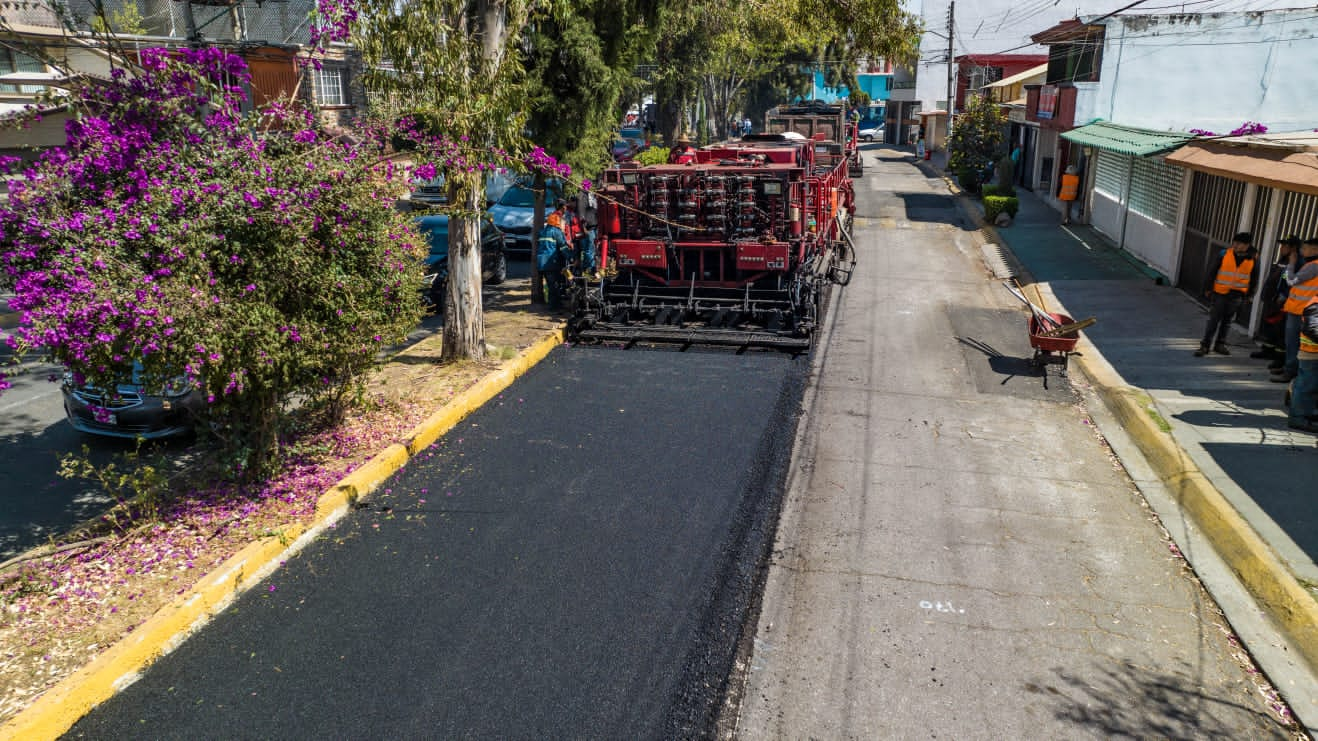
1050 347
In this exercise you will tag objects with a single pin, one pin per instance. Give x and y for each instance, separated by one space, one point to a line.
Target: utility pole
951 68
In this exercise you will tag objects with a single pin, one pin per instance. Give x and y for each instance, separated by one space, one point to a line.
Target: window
13 61
330 87
1076 61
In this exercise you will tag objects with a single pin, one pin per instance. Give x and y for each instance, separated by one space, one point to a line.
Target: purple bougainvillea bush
255 257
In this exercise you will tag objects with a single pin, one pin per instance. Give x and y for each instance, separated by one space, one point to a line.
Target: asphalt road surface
573 561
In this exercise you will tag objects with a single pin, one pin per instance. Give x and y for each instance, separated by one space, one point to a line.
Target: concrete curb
55 711
1289 606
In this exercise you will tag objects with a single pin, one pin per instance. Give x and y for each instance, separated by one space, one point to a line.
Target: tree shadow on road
1123 700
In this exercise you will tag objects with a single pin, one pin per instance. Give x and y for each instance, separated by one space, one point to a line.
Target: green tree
977 136
124 20
456 61
765 53
579 65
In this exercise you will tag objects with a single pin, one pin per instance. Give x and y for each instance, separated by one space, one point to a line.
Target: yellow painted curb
1291 606
55 711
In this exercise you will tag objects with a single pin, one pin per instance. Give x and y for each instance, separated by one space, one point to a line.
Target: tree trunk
537 223
464 317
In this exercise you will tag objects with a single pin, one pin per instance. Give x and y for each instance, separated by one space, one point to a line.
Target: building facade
1123 93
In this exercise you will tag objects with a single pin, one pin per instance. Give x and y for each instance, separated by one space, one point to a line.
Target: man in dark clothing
1233 274
1274 289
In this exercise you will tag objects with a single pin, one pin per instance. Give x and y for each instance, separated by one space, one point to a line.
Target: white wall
1106 216
1145 238
1152 242
1211 71
1001 26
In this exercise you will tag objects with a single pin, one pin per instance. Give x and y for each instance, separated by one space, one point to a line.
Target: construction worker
682 153
1070 191
1302 275
1233 273
552 251
1304 392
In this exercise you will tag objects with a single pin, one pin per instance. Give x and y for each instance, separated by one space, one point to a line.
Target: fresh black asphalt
575 560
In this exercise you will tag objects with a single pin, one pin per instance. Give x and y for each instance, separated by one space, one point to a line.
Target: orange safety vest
1306 344
1300 296
1233 277
1070 187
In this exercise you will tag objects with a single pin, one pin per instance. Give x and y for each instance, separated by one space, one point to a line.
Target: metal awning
1021 76
1285 161
1126 139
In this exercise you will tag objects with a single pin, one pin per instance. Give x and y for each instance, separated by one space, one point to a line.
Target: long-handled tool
1066 329
1045 319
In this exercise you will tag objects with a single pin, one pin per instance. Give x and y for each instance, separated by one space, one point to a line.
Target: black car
133 410
494 262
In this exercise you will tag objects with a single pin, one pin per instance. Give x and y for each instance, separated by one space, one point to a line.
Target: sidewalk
1215 428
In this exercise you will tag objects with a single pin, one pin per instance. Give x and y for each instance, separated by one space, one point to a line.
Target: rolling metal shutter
1110 175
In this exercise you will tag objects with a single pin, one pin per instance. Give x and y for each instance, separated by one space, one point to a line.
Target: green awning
1126 139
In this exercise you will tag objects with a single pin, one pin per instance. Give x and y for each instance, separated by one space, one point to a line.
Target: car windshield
518 197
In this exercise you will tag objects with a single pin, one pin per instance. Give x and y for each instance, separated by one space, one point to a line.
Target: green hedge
994 205
998 190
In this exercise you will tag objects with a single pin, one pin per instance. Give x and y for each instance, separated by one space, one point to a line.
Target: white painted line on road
28 400
1077 238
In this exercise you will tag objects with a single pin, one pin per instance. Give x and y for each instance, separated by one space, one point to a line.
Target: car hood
509 217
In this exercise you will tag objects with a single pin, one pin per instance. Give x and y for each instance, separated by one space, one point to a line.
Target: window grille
1299 215
329 86
1215 204
1156 190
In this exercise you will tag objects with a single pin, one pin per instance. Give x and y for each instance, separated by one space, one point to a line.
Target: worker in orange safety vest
1304 392
1302 275
1234 274
1069 192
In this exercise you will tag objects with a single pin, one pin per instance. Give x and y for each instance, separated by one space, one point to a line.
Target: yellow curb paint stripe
55 711
59 708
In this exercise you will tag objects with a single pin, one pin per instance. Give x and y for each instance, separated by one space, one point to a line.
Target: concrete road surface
959 555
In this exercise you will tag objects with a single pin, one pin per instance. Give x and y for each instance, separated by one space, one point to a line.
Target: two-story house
45 49
1122 92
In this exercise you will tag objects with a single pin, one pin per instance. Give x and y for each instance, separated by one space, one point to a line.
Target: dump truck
819 121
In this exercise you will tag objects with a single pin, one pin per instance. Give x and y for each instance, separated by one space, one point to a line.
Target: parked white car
870 132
